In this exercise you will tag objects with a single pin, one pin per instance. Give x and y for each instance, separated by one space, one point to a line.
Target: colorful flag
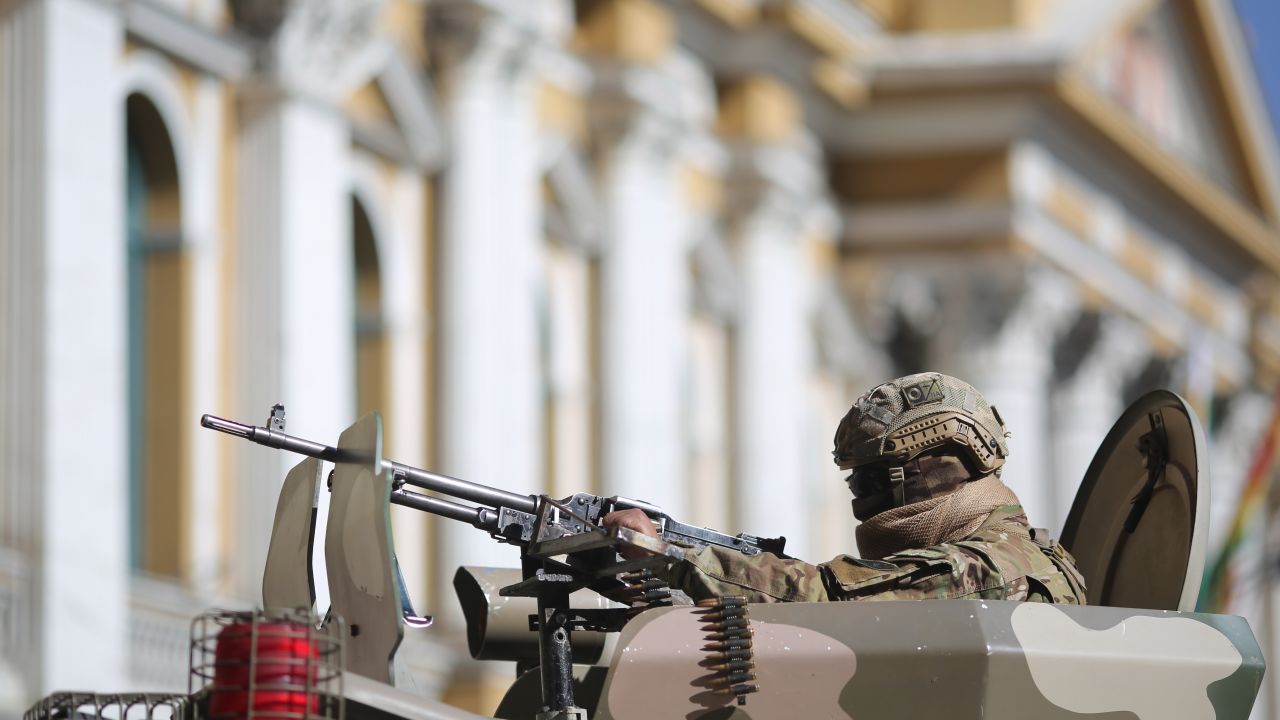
1217 590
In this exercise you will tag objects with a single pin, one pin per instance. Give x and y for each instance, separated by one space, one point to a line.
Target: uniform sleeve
712 572
934 573
940 572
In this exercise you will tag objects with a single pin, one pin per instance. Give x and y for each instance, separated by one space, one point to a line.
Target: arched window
157 350
370 327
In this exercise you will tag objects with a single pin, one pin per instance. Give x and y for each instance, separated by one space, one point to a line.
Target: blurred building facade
629 246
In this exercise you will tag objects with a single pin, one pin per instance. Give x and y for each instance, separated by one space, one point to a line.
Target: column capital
987 312
1102 346
1029 307
649 95
1243 421
782 183
842 341
717 287
663 109
500 40
321 49
777 166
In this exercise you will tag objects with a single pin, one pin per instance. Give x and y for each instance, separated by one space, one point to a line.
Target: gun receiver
507 516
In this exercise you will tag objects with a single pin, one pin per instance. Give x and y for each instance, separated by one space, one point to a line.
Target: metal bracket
1154 446
590 619
566 714
542 581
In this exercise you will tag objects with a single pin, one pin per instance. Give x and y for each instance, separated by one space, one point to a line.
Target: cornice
1225 214
227 55
1244 227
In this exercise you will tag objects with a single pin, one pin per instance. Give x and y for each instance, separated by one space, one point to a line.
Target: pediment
395 114
1178 71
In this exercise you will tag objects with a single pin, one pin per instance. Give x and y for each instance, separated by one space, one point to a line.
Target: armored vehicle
1139 650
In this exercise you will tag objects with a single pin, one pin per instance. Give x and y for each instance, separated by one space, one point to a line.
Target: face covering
944 503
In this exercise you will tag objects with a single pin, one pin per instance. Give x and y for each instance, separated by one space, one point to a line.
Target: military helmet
901 419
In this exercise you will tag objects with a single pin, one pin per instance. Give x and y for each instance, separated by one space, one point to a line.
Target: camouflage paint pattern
963 659
1002 560
814 667
1155 689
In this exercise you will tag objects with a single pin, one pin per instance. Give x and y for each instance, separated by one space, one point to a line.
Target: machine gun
563 546
508 517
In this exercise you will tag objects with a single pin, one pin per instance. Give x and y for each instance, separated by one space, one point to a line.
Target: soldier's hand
631 519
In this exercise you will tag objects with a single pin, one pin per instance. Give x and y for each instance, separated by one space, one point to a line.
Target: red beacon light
255 666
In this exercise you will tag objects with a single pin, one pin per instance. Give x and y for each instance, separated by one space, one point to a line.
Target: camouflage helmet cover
900 419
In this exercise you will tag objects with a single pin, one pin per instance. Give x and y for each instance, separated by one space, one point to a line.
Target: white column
850 362
490 404
775 188
293 312
203 233
1011 364
774 357
404 291
644 310
62 252
1088 402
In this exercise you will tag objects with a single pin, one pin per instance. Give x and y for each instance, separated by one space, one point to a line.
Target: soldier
925 452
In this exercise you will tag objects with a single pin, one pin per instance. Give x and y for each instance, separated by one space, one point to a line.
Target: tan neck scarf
938 520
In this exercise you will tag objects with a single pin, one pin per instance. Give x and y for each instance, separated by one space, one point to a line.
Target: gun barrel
473 492
270 438
476 493
481 517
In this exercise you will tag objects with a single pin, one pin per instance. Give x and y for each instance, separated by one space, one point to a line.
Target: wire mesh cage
266 666
102 706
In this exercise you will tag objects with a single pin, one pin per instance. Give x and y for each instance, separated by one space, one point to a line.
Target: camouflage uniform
1002 560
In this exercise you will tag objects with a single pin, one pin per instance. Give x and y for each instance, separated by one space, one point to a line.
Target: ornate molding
1102 347
782 184
662 110
986 311
1026 313
222 54
777 169
482 40
574 213
717 287
414 132
630 107
317 48
842 342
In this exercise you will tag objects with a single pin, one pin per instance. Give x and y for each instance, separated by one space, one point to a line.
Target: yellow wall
955 15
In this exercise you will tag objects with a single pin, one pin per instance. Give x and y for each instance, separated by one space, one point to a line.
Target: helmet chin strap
931 475
892 497
897 478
